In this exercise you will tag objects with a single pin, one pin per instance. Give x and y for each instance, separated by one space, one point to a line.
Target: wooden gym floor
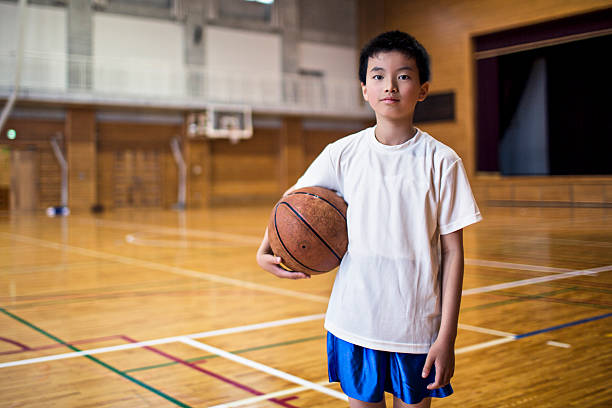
149 308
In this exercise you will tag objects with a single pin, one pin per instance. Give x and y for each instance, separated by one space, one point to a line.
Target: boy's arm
269 262
442 352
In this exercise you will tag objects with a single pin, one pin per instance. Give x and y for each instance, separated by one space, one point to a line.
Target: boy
393 312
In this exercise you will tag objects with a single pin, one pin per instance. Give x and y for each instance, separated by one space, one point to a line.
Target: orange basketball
308 230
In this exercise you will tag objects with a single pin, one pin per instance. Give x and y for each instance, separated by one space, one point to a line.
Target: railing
95 79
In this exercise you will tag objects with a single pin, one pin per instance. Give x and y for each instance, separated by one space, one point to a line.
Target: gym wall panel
121 36
334 61
125 46
45 34
232 50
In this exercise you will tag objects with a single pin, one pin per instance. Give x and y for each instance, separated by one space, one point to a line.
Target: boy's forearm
452 284
264 247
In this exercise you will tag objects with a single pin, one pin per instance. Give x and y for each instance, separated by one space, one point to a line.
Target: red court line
281 402
23 347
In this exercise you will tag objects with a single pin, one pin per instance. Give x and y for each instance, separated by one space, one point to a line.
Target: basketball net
234 137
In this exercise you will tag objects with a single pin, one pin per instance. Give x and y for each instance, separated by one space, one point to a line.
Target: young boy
393 312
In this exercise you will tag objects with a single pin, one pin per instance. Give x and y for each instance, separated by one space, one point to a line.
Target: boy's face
392 86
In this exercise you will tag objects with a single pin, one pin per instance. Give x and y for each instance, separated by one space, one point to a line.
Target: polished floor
149 308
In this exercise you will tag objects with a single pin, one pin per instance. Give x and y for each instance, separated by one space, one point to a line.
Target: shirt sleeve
323 172
457 207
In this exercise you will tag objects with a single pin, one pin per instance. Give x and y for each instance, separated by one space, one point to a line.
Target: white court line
484 345
259 398
532 281
166 268
183 232
296 390
266 369
249 239
558 344
134 239
232 330
220 332
509 265
485 331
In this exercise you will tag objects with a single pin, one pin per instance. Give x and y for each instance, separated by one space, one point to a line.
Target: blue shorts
365 374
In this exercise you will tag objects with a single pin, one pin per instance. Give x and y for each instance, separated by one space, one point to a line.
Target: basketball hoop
229 122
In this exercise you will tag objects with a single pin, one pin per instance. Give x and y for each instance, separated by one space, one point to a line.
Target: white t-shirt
400 200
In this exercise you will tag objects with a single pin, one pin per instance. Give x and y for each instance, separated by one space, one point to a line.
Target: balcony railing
95 79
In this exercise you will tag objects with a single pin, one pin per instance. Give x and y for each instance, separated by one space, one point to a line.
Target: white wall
340 83
45 34
335 61
137 55
233 54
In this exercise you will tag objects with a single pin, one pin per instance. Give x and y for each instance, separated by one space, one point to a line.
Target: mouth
390 100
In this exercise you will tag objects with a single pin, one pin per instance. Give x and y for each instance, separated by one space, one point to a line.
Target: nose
391 86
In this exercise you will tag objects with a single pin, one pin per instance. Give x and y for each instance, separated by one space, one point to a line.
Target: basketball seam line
283 244
318 196
313 230
310 227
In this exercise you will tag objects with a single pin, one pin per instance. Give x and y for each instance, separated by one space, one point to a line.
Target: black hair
395 41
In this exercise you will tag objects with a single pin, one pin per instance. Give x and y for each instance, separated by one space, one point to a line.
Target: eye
404 77
377 77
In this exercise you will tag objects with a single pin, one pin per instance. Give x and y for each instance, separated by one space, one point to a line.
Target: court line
531 281
134 239
166 268
184 232
506 338
98 361
275 290
485 331
562 326
509 265
260 398
296 390
197 360
210 373
232 330
264 368
484 345
249 239
558 344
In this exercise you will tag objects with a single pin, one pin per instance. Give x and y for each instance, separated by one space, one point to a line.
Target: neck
393 133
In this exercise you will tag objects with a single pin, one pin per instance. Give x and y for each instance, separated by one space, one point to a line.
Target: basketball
307 230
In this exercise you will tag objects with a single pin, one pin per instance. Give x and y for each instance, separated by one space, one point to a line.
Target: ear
364 92
423 92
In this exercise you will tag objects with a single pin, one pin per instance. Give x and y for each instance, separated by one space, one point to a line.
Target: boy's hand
271 264
442 356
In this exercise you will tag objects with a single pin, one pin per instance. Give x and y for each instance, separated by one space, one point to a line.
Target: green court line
524 297
510 301
211 356
95 360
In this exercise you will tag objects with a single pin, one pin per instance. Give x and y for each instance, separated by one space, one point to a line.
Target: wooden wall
41 174
128 165
81 156
135 165
446 28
